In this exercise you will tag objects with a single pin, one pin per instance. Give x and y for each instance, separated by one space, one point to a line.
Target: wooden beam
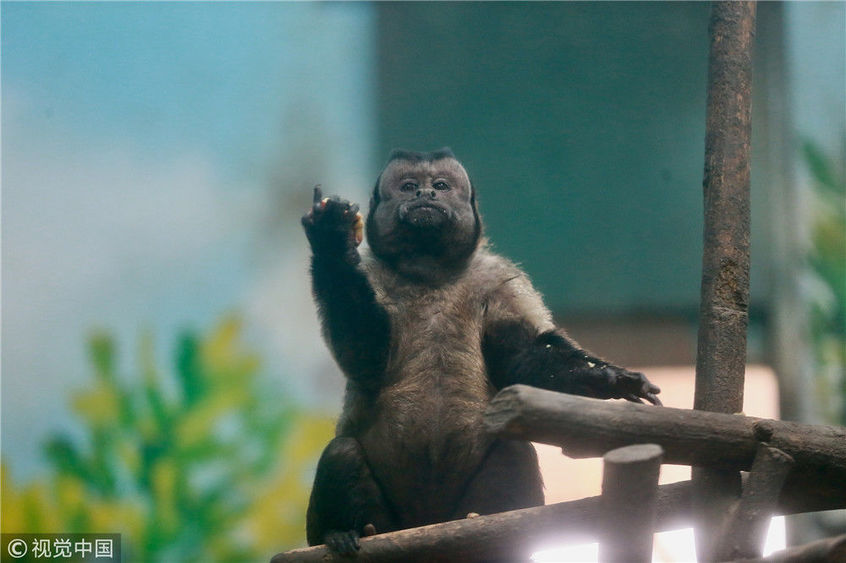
491 536
585 427
516 533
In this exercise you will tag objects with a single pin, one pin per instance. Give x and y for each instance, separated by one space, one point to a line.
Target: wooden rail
589 427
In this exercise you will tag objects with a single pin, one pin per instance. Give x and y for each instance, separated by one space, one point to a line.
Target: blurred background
162 370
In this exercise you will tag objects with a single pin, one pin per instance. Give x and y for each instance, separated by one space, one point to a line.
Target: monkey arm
355 325
522 346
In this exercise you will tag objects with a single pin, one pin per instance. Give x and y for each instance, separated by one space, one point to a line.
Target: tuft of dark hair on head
416 156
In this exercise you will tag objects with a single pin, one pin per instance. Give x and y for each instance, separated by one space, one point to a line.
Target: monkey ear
444 152
375 198
478 227
402 154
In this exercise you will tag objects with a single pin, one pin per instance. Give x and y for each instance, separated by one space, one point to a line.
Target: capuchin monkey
427 326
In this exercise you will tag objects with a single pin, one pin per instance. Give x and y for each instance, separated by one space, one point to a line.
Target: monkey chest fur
424 436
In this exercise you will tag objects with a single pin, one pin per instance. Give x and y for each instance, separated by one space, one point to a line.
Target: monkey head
423 212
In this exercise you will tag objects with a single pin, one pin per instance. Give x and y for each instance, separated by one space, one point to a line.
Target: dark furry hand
334 226
630 385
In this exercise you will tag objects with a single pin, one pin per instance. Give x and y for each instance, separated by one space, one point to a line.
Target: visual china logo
100 548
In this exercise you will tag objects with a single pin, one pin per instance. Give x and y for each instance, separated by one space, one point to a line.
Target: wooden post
721 352
629 491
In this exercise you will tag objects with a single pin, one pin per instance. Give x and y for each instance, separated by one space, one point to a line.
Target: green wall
582 126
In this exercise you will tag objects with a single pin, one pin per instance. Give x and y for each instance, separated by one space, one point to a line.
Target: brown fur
423 434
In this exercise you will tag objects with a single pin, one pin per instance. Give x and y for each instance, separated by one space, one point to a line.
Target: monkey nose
426 193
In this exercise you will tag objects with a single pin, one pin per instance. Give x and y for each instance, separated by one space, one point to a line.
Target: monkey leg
346 502
508 479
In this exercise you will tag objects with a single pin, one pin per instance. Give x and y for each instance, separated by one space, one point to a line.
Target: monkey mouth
424 214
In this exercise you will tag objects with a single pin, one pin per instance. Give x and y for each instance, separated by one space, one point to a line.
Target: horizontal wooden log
530 529
585 427
517 533
589 428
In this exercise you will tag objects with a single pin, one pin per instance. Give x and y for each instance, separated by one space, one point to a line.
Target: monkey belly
423 455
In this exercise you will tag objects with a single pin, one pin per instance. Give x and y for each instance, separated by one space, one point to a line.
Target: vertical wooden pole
629 492
721 352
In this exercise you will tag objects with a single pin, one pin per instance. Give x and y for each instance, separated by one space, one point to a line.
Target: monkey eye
408 187
440 185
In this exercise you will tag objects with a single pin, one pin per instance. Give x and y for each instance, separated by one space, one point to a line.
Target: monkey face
426 195
423 203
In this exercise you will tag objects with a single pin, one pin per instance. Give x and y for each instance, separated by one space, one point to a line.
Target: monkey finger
344 543
351 544
320 201
358 228
654 400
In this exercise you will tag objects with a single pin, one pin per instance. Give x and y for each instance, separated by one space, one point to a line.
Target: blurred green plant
827 261
202 463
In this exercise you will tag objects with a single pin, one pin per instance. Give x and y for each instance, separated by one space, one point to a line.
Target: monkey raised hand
354 325
334 226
